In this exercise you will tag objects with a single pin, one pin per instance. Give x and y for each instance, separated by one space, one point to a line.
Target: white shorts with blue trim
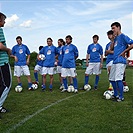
117 72
21 70
48 70
93 68
38 68
68 72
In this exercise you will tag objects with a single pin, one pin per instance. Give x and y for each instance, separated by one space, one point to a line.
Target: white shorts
59 69
21 70
48 70
117 72
38 68
109 64
93 68
66 72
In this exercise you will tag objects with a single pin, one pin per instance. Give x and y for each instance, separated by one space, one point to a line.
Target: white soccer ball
70 88
87 87
125 89
108 94
18 88
34 86
41 56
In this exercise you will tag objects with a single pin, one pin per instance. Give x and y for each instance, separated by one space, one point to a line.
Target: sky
36 20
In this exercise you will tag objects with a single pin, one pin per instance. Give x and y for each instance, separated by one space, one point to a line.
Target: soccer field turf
56 112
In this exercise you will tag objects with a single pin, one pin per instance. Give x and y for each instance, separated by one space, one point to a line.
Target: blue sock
29 84
43 86
65 83
86 80
120 86
36 76
50 86
20 84
114 87
96 80
75 83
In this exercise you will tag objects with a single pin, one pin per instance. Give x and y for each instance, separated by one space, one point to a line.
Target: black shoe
3 110
50 90
114 98
95 87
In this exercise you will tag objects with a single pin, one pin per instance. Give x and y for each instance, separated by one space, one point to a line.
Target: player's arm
87 59
101 63
28 59
126 50
3 48
108 52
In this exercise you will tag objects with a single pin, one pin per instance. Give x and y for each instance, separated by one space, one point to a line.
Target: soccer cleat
50 90
95 87
76 91
114 98
3 110
120 99
124 83
64 90
30 89
61 87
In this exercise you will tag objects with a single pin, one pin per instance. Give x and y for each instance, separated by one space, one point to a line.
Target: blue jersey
50 52
110 57
70 52
121 43
20 51
95 50
60 57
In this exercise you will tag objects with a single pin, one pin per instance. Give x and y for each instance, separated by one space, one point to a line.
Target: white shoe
64 90
61 87
75 91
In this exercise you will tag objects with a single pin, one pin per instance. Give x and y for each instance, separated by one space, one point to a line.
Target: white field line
39 111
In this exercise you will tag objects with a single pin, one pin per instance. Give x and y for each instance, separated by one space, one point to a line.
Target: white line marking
39 111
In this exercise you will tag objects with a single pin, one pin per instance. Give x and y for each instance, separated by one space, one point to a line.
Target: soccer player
95 53
5 71
19 52
38 67
110 54
61 44
70 53
119 63
50 52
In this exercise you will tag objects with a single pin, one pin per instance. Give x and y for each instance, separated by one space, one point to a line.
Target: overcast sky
37 20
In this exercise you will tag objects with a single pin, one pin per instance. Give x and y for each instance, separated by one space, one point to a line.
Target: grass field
56 112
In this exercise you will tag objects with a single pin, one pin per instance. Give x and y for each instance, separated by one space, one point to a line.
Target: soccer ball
34 86
108 94
70 88
18 88
125 89
87 87
41 56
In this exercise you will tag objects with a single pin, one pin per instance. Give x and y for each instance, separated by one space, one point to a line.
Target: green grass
85 112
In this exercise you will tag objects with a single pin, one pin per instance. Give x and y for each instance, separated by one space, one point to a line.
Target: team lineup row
64 57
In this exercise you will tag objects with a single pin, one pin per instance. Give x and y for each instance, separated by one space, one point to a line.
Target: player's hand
87 64
122 54
16 59
27 62
9 51
101 65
